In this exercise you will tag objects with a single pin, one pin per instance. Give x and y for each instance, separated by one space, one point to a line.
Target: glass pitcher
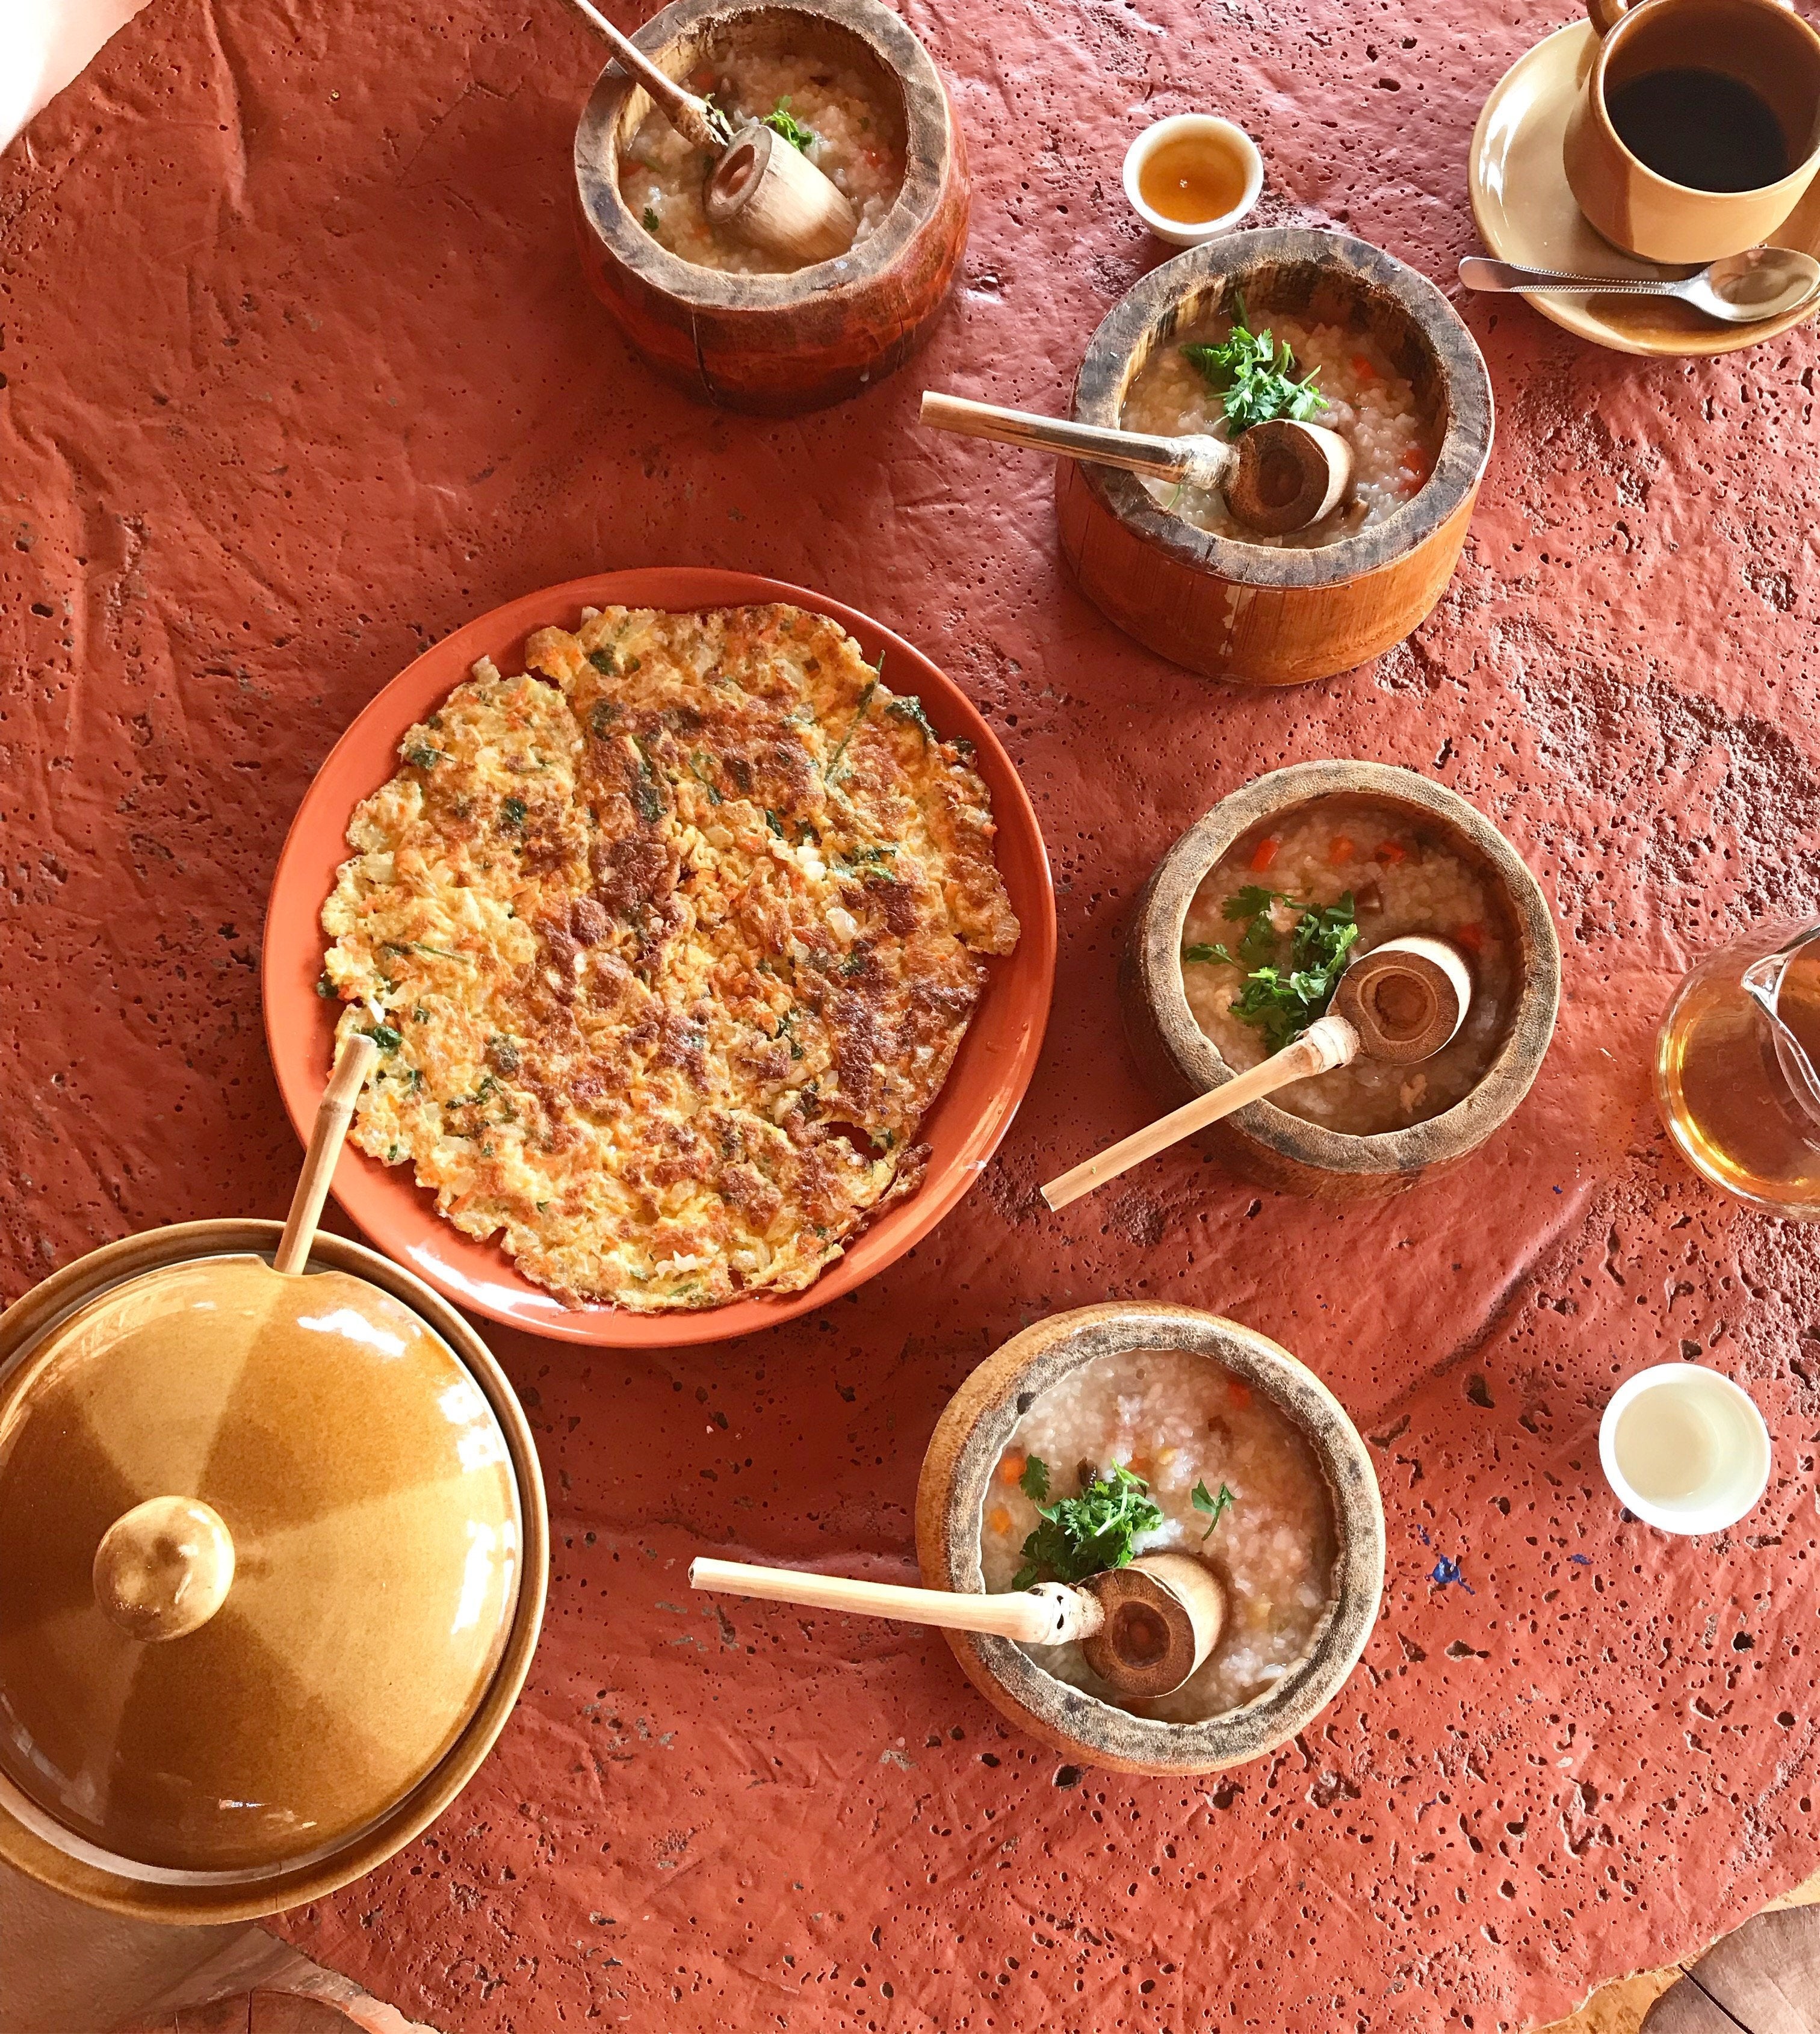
1738 1071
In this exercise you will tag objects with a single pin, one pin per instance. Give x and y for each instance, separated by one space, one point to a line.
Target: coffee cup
1697 131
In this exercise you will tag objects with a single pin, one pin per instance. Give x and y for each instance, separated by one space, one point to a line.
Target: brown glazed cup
1762 43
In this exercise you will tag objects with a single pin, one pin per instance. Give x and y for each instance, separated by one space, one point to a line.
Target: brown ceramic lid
260 1551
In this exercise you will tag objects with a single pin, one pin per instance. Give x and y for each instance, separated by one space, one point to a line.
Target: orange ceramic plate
972 1112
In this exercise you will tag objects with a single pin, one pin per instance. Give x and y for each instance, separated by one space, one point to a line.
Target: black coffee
1701 129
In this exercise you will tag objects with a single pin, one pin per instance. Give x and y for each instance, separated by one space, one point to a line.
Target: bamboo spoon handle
684 112
1330 1041
1043 1616
1203 461
353 1064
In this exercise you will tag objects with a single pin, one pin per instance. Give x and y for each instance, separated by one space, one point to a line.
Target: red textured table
300 373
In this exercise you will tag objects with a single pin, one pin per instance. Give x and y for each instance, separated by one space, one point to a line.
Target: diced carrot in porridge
1391 851
1011 1466
1263 1520
1339 850
1265 852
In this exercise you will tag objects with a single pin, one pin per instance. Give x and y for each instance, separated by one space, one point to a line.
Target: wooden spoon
1401 1002
164 1568
1143 1629
772 195
358 1056
1279 476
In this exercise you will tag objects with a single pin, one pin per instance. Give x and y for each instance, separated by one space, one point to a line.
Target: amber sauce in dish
1191 178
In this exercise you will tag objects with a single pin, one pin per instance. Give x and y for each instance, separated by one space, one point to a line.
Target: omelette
668 944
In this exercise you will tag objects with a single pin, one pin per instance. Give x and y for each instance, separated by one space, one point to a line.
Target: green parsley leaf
1034 1482
779 121
1203 1500
1254 377
649 222
1083 1536
383 1036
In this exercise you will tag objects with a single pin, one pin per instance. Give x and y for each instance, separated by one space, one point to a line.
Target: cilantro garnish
1034 1482
649 222
1254 377
1203 1500
1086 1535
1283 1002
780 120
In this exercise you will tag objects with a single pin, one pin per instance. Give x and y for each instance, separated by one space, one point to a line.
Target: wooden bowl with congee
1250 927
713 306
1195 1439
1387 364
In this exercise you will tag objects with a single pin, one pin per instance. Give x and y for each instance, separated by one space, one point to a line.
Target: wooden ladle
163 1568
763 189
1143 1628
1279 476
1401 1002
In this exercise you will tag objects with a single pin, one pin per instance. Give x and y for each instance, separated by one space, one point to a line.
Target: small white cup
1183 233
1685 1448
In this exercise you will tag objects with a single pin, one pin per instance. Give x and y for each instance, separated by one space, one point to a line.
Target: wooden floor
1618 2008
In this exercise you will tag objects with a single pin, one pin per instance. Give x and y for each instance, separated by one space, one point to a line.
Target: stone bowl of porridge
1341 845
1245 1460
1401 380
847 82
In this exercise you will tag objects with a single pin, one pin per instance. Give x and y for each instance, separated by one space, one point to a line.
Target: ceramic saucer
1526 213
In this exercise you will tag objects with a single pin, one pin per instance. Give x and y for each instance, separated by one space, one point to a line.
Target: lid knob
163 1568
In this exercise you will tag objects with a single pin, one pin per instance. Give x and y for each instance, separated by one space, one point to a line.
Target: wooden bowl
965 1449
1268 1143
1252 614
33 1843
779 343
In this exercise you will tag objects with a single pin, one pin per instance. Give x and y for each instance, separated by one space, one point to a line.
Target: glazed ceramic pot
1255 614
779 343
964 1450
272 1559
1270 1144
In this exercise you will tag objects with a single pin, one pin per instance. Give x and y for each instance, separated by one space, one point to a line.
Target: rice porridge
1178 1421
855 140
1400 878
1368 403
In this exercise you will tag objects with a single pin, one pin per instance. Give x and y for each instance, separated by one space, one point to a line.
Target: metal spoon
1741 289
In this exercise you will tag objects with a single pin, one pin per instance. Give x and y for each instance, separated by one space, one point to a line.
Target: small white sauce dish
1220 139
1685 1449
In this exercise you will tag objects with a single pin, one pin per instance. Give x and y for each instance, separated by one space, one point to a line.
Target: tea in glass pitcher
1738 1071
